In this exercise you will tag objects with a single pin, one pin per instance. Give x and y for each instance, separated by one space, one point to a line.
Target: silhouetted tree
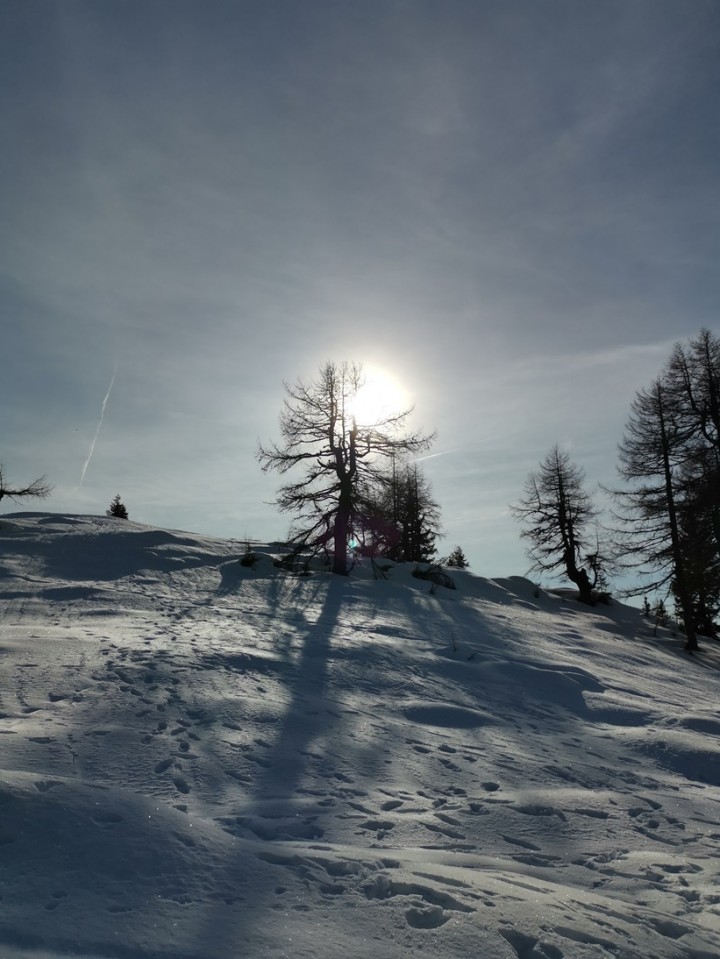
457 559
117 508
692 380
697 508
419 517
558 515
653 453
401 520
38 489
342 459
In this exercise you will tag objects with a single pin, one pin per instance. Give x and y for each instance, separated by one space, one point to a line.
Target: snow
203 760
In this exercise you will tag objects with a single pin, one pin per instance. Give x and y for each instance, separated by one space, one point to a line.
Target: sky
508 210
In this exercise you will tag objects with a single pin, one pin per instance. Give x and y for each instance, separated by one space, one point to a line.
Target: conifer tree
670 461
457 559
401 519
558 516
692 380
652 455
117 509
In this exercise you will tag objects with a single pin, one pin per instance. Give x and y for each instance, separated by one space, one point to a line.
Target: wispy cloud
97 431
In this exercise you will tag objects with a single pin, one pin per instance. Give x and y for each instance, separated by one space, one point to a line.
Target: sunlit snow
206 760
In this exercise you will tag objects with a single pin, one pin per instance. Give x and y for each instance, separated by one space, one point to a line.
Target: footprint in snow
377 825
522 843
524 945
426 917
444 831
238 777
42 785
448 820
449 764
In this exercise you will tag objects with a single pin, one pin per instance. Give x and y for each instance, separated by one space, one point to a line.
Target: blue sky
511 208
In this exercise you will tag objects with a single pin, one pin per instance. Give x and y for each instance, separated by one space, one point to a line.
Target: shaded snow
204 760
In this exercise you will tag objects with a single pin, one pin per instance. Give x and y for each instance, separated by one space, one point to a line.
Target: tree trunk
580 578
340 538
585 592
342 526
685 602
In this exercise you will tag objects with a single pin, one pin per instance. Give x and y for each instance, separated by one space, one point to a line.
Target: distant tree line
665 528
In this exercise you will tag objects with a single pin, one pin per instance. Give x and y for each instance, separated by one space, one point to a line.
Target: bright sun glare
380 396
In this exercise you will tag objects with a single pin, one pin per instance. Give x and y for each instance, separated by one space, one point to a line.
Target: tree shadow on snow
282 785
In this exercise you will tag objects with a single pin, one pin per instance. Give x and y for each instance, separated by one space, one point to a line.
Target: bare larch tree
558 514
341 458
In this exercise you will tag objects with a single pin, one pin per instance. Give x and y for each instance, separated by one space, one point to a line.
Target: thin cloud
97 431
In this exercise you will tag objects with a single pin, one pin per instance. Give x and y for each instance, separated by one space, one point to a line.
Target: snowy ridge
202 760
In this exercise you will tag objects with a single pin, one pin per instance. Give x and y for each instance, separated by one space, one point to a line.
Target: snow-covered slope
202 759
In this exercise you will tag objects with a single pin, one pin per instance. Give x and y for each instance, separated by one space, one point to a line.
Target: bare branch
38 489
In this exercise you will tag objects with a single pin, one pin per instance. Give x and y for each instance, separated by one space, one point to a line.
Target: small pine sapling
249 556
457 559
117 509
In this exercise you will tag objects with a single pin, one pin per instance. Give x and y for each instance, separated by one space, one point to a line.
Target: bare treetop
339 455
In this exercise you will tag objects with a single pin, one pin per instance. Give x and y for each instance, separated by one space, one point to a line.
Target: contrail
431 456
97 431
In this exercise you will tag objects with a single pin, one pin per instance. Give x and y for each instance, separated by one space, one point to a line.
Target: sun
381 396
